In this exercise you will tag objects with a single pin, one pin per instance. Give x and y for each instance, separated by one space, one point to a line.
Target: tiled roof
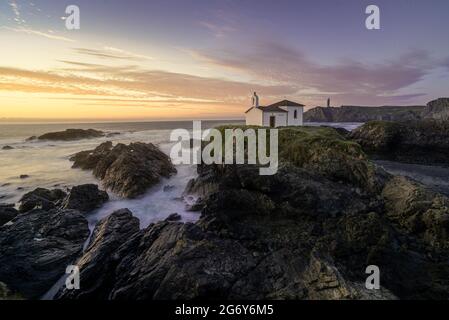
286 103
267 109
272 109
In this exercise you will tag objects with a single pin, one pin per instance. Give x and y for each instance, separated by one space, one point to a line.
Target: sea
46 164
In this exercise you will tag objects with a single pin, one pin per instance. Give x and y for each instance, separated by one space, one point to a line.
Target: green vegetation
324 151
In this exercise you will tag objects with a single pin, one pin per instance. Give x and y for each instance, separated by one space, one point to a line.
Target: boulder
41 198
85 198
7 213
7 148
173 217
36 248
100 256
71 134
418 211
422 142
127 170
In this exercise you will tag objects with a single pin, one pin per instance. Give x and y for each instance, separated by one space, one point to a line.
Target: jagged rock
424 142
36 248
85 198
100 256
437 109
41 198
71 134
7 213
168 188
325 282
173 217
299 234
363 113
418 211
127 170
88 160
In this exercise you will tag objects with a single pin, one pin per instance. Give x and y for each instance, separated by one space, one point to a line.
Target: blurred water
47 165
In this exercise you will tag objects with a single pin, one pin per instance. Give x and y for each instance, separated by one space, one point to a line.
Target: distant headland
436 109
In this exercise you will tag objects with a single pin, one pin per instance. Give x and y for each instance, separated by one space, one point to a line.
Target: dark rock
41 198
173 217
24 176
299 234
31 138
196 205
437 109
168 188
112 134
85 198
88 160
418 211
72 134
7 148
422 142
363 113
127 170
100 256
7 213
37 247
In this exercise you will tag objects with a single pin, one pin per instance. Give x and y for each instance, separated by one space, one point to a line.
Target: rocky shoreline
308 232
437 109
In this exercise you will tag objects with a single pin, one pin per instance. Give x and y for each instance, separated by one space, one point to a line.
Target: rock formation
70 135
304 233
127 170
37 246
85 198
424 141
7 213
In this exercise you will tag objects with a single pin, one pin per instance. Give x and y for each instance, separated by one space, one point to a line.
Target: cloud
15 9
276 63
112 53
219 31
135 84
39 33
127 53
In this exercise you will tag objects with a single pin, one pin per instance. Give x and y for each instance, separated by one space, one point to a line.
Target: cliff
363 114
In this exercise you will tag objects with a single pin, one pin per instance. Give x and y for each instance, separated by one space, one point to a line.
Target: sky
202 59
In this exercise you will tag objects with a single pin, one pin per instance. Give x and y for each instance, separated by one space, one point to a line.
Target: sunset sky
202 59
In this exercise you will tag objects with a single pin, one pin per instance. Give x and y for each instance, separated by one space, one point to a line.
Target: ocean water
47 165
